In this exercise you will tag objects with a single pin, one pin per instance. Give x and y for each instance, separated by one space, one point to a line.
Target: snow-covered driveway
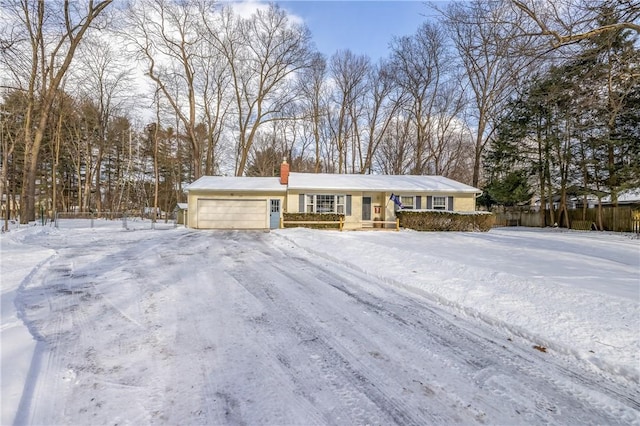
196 327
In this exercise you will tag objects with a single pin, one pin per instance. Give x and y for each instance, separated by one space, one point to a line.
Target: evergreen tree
509 191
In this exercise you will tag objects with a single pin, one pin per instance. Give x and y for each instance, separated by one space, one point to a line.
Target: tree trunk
32 149
46 69
7 151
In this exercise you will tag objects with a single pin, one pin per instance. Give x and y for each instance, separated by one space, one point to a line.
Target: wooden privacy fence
517 218
618 219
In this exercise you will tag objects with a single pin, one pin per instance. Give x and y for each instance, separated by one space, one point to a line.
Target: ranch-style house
223 202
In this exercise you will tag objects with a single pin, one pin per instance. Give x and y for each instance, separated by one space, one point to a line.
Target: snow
628 196
332 182
177 326
17 261
373 183
237 183
574 292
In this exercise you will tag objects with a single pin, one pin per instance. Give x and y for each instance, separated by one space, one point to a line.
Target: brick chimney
284 172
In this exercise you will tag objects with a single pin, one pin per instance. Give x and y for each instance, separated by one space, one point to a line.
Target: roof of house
334 182
387 183
629 196
238 184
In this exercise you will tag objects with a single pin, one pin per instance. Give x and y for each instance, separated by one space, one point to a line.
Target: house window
324 203
439 203
275 206
407 202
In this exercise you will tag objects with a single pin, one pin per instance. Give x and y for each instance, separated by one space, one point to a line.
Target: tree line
116 106
572 129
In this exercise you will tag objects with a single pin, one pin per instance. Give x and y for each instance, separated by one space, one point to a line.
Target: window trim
436 206
339 203
406 206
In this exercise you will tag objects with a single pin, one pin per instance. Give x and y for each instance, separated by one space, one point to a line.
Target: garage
232 213
235 202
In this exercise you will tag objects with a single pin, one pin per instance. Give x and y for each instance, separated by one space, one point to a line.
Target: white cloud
245 9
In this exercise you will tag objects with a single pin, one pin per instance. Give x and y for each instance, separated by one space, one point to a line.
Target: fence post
635 224
397 223
341 224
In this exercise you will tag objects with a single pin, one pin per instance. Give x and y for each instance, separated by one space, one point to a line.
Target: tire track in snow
61 303
622 402
614 404
473 272
619 388
459 337
270 398
258 335
49 300
356 382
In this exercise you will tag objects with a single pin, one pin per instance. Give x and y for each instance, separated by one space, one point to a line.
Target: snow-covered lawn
175 326
573 292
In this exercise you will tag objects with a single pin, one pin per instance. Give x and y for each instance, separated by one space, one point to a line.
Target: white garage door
232 214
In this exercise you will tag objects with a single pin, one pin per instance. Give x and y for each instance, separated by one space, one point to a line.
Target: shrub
437 220
312 217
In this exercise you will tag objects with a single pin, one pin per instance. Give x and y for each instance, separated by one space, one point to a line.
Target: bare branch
569 24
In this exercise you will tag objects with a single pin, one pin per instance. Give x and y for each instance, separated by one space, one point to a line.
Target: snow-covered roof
335 182
629 196
183 206
386 183
238 183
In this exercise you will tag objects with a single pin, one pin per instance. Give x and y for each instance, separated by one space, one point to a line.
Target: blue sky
364 27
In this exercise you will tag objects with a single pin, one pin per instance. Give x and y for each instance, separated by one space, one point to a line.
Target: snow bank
17 261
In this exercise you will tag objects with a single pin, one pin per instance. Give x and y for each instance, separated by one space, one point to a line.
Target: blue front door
274 218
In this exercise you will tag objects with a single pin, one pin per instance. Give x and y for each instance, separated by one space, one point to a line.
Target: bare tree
63 108
393 157
49 35
489 41
349 73
568 21
419 63
263 53
267 152
72 148
168 36
105 81
8 144
313 83
380 112
121 163
450 146
213 82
